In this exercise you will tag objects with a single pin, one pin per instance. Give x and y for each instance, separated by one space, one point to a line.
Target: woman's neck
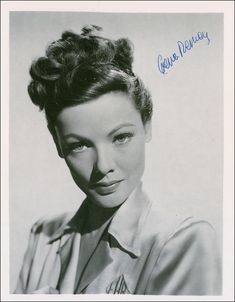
97 216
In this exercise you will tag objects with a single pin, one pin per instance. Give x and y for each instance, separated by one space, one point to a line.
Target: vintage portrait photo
116 153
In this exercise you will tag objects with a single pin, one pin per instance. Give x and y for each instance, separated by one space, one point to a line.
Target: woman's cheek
80 167
134 157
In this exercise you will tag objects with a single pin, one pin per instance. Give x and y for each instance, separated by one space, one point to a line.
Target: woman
99 114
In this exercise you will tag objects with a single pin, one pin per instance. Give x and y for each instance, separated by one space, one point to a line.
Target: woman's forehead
107 111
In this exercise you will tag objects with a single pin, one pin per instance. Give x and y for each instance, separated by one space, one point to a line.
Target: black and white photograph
115 153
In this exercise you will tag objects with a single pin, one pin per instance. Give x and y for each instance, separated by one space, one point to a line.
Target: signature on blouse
165 63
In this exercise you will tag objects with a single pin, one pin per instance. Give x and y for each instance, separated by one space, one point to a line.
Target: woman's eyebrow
74 136
119 127
80 137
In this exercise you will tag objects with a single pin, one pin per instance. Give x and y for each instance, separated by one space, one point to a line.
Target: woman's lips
105 188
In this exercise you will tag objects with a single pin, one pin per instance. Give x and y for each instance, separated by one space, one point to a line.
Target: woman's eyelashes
77 147
123 138
119 139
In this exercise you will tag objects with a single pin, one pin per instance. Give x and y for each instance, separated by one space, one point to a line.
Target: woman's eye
78 147
123 138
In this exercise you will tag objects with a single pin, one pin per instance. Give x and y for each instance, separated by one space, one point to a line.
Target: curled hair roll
80 67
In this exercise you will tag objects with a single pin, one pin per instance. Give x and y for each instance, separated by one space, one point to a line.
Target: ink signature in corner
165 63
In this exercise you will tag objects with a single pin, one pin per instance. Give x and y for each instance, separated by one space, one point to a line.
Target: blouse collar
125 226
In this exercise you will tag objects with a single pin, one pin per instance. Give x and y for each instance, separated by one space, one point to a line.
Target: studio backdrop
180 59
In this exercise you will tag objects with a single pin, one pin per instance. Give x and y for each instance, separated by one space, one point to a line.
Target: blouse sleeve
188 264
27 261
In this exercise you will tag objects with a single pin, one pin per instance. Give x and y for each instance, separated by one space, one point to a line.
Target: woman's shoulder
165 224
185 248
51 224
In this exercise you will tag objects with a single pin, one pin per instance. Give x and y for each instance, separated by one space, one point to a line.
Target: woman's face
103 144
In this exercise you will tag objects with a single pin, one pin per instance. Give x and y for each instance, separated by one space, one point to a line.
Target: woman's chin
110 200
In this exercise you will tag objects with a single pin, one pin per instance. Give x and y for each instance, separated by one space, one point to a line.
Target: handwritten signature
182 48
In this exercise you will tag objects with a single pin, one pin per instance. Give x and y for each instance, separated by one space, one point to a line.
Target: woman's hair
79 68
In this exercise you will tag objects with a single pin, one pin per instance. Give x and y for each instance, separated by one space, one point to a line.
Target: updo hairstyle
79 68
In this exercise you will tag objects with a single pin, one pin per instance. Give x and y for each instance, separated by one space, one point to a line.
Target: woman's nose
104 161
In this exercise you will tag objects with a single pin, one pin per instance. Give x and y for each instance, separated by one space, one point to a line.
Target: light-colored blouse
137 249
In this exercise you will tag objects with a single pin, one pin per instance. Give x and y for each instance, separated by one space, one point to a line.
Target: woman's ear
148 131
54 135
